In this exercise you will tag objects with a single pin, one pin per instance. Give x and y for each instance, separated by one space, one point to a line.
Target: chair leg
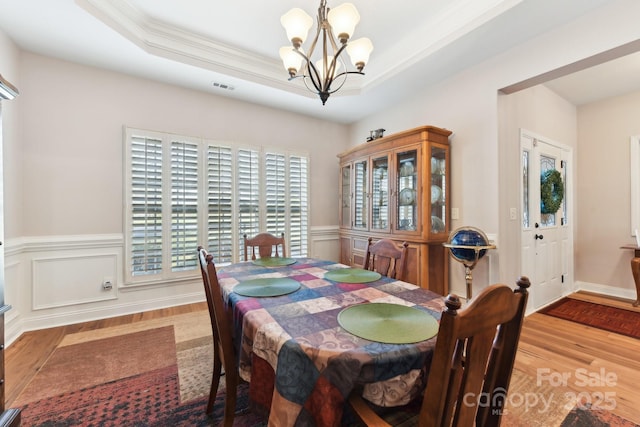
231 393
215 380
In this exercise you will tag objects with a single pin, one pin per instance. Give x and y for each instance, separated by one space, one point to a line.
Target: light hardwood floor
570 357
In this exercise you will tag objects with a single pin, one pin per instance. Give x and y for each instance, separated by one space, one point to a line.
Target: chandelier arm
312 72
344 73
332 68
314 76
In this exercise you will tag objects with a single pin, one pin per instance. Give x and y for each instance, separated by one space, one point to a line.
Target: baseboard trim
607 290
90 314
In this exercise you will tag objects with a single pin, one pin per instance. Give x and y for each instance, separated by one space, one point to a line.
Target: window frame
166 275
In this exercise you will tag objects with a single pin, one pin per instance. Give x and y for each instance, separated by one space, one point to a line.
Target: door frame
568 284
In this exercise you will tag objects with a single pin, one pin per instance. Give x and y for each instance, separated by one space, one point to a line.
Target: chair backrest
220 323
473 358
386 258
267 245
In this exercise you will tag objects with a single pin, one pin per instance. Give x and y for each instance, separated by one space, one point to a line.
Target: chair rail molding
58 280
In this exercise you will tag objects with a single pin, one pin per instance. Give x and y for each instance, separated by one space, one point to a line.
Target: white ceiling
196 43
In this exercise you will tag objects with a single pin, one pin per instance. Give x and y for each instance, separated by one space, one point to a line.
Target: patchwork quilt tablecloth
300 363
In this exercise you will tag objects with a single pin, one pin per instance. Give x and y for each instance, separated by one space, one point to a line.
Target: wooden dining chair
385 257
223 351
472 362
267 245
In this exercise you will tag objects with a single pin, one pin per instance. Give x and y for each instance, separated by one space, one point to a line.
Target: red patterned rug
146 400
124 380
583 416
612 319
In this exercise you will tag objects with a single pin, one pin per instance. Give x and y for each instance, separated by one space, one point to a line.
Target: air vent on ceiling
223 86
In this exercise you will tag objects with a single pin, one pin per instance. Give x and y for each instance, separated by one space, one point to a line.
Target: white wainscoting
53 286
325 243
58 280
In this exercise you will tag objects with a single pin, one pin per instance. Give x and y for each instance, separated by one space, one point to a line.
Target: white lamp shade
290 58
359 51
297 24
343 19
320 68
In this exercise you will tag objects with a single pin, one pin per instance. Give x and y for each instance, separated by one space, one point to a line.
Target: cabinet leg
635 269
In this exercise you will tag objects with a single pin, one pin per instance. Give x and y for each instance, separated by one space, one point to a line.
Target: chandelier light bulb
297 23
343 20
291 60
320 66
359 51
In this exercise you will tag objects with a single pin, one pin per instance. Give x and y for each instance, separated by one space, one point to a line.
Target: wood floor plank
564 347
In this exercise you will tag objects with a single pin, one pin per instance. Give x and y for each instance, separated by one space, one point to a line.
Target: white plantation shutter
184 205
298 206
182 192
248 193
220 202
275 193
145 204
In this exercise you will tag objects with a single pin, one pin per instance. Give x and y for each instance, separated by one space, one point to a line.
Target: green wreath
551 191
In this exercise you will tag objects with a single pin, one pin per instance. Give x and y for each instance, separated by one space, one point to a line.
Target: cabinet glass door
380 193
345 196
438 190
407 190
360 212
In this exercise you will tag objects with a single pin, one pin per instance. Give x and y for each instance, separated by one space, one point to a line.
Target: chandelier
323 77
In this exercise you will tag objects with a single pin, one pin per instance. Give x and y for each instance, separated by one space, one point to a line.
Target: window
181 192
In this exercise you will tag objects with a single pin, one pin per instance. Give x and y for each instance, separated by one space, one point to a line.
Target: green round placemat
388 323
273 261
266 287
352 275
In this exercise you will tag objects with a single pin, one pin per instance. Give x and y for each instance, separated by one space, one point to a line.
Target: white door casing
547 249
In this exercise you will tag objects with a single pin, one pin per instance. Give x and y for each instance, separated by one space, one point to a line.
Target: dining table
300 356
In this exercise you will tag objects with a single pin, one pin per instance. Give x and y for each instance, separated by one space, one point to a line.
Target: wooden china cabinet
398 187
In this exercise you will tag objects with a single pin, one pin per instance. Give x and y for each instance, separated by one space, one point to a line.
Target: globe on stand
468 245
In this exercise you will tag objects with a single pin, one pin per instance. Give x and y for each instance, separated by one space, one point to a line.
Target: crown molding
163 40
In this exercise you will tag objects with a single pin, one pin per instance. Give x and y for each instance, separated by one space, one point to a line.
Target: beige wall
483 186
71 125
604 129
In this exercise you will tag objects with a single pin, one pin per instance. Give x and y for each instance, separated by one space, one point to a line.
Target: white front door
546 243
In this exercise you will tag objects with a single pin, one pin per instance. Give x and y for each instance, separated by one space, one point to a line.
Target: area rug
145 400
582 416
80 366
156 375
612 319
